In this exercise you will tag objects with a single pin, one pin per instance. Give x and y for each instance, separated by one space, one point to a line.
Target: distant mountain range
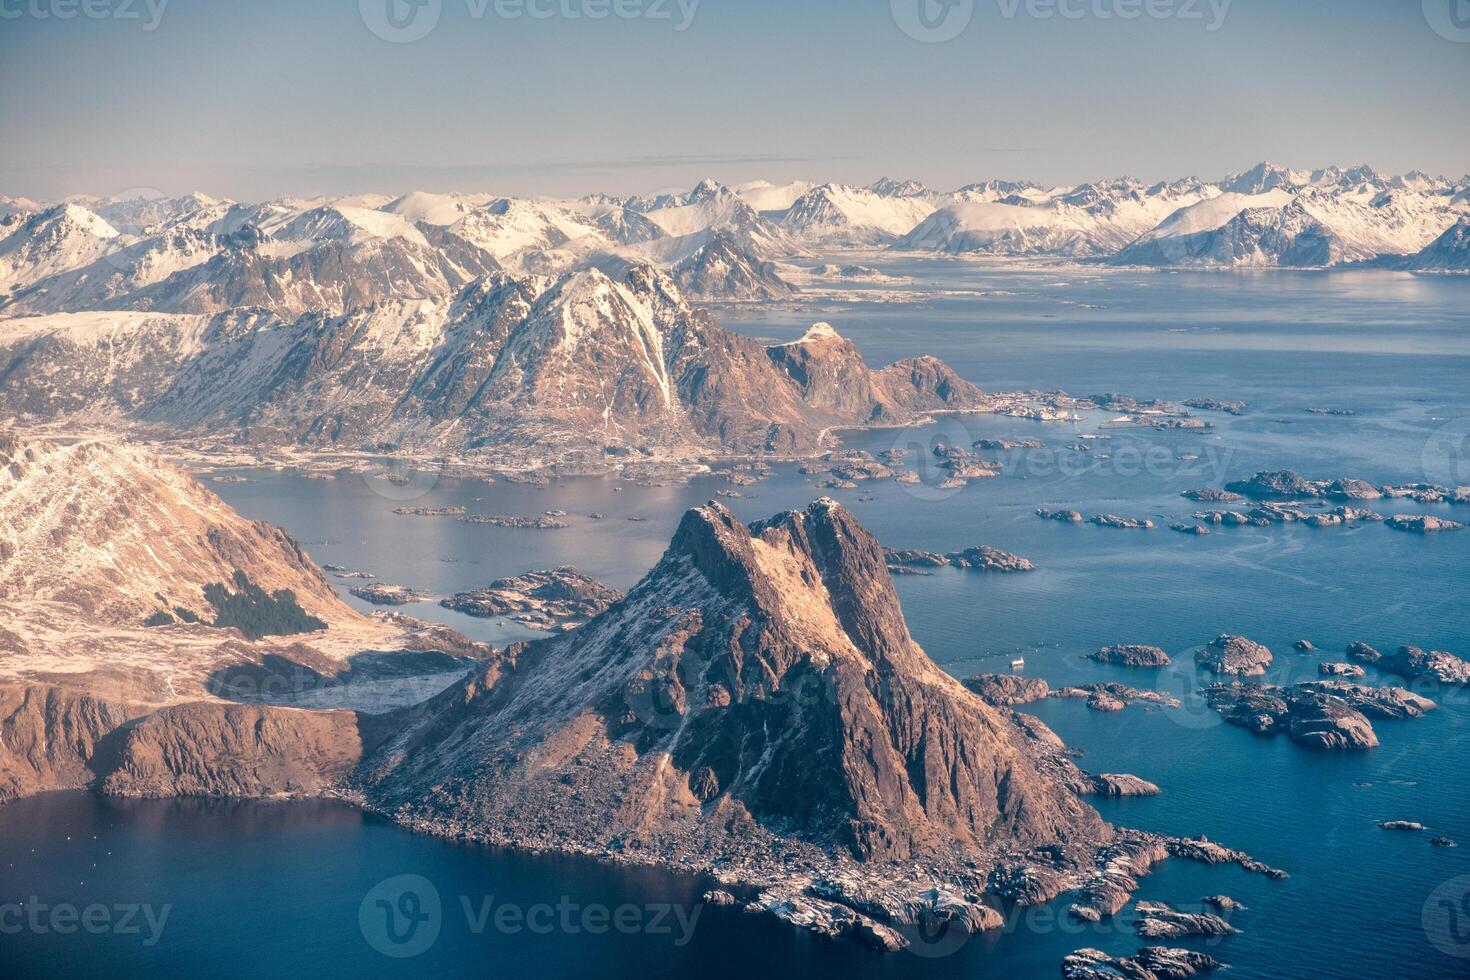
196 254
469 322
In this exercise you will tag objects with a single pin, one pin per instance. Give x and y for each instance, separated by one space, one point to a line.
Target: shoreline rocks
1123 784
1007 690
1158 920
382 594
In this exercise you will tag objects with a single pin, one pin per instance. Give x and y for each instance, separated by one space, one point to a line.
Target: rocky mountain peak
759 685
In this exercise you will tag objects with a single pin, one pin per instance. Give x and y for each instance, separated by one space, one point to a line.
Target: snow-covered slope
194 253
1320 225
711 207
1087 220
724 270
767 197
148 215
1449 252
835 214
1189 232
119 273
113 531
892 187
49 242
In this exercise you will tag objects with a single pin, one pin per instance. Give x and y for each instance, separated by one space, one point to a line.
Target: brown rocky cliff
235 750
759 684
52 738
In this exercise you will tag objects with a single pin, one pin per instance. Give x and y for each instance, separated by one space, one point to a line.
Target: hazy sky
268 97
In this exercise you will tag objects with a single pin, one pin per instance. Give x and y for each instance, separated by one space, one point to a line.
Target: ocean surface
286 888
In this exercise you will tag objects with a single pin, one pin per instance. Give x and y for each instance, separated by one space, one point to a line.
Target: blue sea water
278 887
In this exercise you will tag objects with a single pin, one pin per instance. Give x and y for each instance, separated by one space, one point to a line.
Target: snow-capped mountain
119 273
1190 231
711 207
519 364
199 254
147 215
723 269
769 198
49 242
138 611
1311 227
1449 252
349 266
1082 221
892 187
835 214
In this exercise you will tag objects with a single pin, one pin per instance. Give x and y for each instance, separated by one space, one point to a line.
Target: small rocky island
1112 696
1234 655
983 559
1423 523
1150 963
1216 405
1009 690
1113 520
541 522
1291 485
382 594
1159 920
1413 663
559 599
1328 715
1212 495
1131 655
